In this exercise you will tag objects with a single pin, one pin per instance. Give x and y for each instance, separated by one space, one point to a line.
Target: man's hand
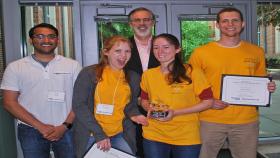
45 129
271 86
57 133
219 105
140 119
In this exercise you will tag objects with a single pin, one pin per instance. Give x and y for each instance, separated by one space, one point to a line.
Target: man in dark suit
142 21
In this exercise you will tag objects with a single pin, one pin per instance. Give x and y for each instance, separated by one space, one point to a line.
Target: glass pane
197 33
59 16
269 40
107 29
109 26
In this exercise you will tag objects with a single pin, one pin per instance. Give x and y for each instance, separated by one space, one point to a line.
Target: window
196 31
112 25
59 16
269 40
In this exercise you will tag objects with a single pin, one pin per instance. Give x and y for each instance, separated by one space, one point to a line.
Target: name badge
105 109
56 96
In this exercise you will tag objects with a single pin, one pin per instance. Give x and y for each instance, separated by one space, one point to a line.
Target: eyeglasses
41 36
145 20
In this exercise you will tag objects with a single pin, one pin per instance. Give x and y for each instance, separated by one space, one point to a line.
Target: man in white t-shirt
37 90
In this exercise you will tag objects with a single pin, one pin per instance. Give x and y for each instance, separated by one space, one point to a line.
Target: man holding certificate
230 55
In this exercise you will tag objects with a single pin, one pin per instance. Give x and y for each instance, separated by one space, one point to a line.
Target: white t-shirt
45 92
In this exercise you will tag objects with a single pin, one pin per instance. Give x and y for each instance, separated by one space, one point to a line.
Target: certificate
245 90
94 152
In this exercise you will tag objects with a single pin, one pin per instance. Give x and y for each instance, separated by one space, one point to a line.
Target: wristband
67 125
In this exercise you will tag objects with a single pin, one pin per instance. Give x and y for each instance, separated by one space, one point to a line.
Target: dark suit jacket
135 64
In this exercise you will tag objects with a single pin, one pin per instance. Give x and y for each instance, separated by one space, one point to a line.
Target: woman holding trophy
173 94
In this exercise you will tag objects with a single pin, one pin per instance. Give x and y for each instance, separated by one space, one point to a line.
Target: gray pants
242 139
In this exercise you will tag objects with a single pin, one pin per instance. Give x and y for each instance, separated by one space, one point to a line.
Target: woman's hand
104 144
170 115
150 108
140 119
146 105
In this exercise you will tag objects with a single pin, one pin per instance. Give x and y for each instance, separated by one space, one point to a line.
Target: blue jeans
117 142
153 149
34 145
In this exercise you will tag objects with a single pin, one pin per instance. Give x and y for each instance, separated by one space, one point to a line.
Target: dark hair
108 44
141 9
44 25
229 9
177 70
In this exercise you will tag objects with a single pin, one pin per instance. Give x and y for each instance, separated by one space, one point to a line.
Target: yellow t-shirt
183 129
113 93
215 60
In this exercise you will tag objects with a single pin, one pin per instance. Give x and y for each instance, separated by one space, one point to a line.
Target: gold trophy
159 110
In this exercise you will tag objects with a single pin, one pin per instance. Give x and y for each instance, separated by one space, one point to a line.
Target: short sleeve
144 95
199 81
10 78
206 94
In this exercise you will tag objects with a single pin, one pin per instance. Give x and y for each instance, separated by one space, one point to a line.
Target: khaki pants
242 139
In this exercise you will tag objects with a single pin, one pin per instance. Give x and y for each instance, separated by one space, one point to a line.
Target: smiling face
142 23
164 51
44 41
230 24
118 55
